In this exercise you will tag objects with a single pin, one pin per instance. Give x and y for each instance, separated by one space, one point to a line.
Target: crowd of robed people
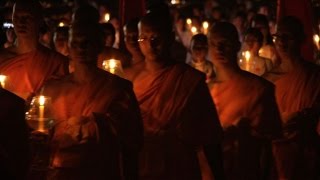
164 119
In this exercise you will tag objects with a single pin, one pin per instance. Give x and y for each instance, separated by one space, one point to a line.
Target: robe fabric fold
179 117
298 96
26 73
95 122
250 118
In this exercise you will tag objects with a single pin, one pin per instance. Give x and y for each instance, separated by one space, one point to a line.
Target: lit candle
106 17
61 24
247 56
173 2
41 127
189 23
3 79
316 40
113 66
205 26
194 30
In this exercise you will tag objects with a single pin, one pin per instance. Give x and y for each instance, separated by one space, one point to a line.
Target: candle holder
113 66
39 116
245 62
3 80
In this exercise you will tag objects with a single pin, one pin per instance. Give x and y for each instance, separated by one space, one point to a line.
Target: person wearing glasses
298 97
131 34
178 114
246 107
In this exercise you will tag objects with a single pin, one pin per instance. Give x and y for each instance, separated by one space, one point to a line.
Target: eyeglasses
199 48
152 40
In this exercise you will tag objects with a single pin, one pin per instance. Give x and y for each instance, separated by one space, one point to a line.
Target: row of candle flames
39 115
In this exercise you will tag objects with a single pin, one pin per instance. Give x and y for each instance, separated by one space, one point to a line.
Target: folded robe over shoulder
26 73
178 116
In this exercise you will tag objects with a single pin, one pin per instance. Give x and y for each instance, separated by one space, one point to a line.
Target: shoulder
257 82
54 85
117 81
6 54
187 70
52 54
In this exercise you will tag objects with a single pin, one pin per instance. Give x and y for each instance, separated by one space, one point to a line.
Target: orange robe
14 146
251 99
27 72
297 92
178 116
90 148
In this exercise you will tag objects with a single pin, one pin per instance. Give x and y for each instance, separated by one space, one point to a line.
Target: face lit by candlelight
289 36
26 19
85 43
150 41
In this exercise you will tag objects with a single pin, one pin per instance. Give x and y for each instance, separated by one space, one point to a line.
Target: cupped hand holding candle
39 115
113 66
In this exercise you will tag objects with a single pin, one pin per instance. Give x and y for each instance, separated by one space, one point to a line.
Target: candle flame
175 1
107 17
189 21
205 25
247 55
61 24
2 80
112 63
41 100
316 38
194 30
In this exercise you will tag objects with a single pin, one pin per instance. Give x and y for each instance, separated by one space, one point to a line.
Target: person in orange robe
178 114
98 131
298 97
27 64
246 107
131 33
14 145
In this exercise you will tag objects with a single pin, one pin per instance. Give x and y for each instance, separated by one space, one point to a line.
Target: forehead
148 29
250 36
23 8
218 36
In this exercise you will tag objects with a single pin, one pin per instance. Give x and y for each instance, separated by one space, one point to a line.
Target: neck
84 73
225 71
153 65
136 58
288 62
26 45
